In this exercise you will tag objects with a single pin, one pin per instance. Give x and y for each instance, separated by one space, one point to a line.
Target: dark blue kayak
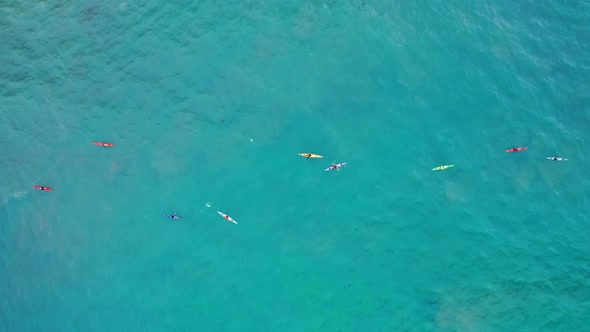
172 216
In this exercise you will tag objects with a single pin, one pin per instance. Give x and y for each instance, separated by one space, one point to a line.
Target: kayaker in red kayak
42 188
517 149
105 144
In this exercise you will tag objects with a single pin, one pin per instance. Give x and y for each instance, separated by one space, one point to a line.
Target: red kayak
105 144
516 149
42 188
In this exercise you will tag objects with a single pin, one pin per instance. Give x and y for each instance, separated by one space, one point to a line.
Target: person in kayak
173 216
105 144
335 167
43 188
517 149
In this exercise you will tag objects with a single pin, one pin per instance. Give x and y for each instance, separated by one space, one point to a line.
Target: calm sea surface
209 102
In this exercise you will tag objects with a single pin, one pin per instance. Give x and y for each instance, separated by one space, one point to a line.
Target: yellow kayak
310 155
440 168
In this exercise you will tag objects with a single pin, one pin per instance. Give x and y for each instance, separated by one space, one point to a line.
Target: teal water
210 101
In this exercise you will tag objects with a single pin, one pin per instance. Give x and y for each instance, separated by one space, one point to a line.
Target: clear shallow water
498 243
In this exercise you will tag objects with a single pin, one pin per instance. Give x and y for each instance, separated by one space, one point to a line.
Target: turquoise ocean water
210 102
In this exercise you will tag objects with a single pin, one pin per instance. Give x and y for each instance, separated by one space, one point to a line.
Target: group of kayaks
516 149
337 167
103 144
174 215
438 168
332 167
526 148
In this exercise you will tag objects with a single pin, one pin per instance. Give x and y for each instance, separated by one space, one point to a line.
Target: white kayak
335 167
228 218
556 158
